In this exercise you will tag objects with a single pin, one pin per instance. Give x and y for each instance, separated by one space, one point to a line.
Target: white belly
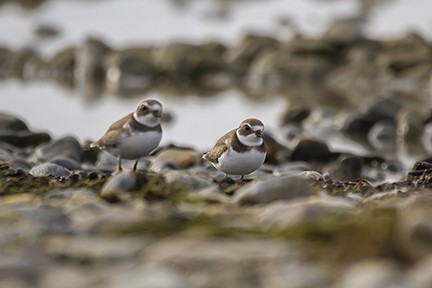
137 145
234 163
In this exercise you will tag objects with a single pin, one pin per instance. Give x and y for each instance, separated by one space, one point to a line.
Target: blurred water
199 122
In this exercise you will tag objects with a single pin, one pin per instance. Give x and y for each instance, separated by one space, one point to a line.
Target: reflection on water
198 121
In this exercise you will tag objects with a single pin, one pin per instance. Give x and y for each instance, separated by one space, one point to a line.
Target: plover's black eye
144 108
247 128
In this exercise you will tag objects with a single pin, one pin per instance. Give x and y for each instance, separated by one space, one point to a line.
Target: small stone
181 158
346 168
273 189
186 179
49 169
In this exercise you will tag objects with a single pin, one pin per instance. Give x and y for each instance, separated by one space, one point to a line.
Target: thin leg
241 178
135 165
119 167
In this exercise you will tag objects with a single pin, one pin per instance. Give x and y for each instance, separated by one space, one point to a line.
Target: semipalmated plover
241 151
135 135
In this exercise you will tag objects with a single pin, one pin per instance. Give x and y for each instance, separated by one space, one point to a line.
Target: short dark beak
157 114
259 134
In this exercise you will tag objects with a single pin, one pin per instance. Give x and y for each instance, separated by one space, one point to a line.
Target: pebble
49 169
116 187
186 180
179 158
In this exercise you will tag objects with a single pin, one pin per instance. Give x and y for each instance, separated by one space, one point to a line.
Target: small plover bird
135 135
240 151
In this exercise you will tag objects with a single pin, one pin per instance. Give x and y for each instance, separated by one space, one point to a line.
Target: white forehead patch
258 128
155 107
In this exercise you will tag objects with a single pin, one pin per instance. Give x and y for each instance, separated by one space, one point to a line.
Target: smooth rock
273 189
297 274
49 169
9 122
64 148
372 274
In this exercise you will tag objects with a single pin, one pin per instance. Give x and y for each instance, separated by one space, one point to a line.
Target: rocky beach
343 200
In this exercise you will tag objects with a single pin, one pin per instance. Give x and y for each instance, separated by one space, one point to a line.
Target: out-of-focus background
74 67
343 200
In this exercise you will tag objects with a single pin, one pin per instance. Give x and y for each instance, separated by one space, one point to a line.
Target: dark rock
18 60
62 66
24 138
11 123
243 54
131 70
63 149
312 150
46 31
345 32
383 109
273 189
276 152
346 168
49 169
294 116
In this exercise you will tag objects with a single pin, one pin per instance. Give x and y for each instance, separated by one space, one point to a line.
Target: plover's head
148 112
250 132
